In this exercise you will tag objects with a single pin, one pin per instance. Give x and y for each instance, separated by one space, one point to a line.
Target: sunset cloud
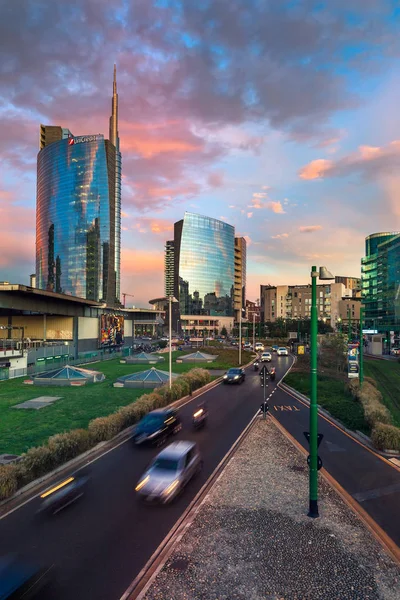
316 169
309 228
280 236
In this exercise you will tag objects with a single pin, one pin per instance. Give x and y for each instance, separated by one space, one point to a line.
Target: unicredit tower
78 212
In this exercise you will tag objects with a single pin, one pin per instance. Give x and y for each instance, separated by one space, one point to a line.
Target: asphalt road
100 543
373 482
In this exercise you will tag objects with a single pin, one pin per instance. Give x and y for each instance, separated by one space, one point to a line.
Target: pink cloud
309 228
249 215
215 179
276 207
280 236
316 169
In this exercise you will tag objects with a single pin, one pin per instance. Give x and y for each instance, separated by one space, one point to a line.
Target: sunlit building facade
239 301
78 212
203 271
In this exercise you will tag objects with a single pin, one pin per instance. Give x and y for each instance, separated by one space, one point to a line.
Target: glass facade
205 253
379 270
76 218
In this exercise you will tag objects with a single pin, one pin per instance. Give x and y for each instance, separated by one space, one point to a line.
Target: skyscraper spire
114 134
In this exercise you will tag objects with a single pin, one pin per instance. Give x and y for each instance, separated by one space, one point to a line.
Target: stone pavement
252 540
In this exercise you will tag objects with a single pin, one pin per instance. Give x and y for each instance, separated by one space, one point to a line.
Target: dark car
235 376
63 494
21 579
156 426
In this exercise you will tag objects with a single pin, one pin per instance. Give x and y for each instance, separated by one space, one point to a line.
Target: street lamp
323 274
361 347
254 331
240 336
171 299
339 321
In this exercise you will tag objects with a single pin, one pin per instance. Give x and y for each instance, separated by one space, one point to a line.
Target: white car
259 347
266 357
282 352
247 346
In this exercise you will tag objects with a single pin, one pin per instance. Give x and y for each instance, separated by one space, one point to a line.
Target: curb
145 578
379 534
358 435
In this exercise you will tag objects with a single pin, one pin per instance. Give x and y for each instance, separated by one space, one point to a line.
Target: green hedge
386 437
63 447
371 401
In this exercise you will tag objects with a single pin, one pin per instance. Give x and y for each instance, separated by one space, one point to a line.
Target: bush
65 446
104 428
386 437
8 481
371 401
37 462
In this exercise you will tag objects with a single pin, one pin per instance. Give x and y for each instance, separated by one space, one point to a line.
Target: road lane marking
283 407
377 493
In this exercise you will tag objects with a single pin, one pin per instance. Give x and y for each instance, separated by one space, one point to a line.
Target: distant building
169 267
380 275
253 310
32 280
240 276
78 212
350 283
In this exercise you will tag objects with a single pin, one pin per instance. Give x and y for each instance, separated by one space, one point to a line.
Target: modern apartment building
294 301
78 212
240 276
201 262
380 275
350 283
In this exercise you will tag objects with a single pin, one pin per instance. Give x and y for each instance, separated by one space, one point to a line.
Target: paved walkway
251 538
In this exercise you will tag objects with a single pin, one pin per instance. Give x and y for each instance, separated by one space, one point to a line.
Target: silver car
169 472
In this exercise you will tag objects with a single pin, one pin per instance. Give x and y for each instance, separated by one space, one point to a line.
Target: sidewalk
251 538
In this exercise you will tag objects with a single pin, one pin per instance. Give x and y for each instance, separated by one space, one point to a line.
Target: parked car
236 375
156 426
266 357
282 351
170 472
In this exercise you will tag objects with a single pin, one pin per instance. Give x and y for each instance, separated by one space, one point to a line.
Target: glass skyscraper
203 273
78 213
380 281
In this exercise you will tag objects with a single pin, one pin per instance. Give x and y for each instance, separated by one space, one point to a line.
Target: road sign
264 376
319 437
319 462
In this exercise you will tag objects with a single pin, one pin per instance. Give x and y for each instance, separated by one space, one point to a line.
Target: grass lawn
387 375
20 429
334 397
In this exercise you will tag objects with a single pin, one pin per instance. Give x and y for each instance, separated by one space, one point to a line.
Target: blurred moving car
282 351
63 494
170 472
259 347
21 579
275 348
200 416
247 346
266 357
156 426
272 373
235 375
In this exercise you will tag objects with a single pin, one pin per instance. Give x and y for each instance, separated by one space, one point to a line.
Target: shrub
386 437
36 462
371 401
8 481
130 414
104 428
65 446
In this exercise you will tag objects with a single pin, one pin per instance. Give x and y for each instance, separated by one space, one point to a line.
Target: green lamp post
325 275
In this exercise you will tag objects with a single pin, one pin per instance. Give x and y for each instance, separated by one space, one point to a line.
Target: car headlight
171 487
142 483
225 376
236 377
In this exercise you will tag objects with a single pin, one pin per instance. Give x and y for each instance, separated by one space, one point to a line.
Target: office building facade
240 277
203 272
380 275
78 214
169 267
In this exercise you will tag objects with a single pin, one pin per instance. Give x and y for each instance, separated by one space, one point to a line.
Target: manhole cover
180 564
296 468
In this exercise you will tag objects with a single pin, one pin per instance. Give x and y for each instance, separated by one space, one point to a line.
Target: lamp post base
313 509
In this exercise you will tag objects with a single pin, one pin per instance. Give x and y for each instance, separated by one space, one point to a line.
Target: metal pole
254 331
240 337
170 342
313 473
265 394
361 354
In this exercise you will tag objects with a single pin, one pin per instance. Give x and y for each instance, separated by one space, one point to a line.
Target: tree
224 332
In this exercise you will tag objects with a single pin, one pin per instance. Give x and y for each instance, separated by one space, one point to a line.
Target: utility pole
254 331
350 326
361 348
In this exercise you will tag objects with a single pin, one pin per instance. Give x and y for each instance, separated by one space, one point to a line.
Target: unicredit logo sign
84 138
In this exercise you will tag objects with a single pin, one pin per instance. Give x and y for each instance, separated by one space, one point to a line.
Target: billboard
352 361
111 330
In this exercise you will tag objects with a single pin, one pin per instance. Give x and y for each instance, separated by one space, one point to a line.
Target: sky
280 118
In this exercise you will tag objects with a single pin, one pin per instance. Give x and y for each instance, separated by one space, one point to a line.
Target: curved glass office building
76 218
204 253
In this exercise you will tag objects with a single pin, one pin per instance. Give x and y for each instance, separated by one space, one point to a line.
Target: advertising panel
352 361
300 349
111 330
